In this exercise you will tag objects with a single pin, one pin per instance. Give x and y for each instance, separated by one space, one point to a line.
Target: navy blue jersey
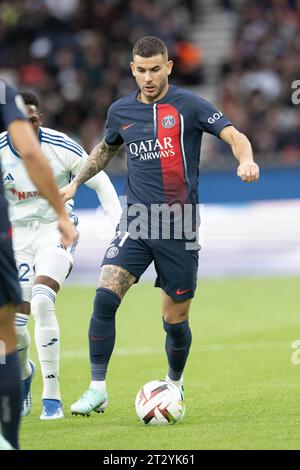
11 108
163 141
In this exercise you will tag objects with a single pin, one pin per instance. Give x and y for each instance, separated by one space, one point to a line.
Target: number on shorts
22 275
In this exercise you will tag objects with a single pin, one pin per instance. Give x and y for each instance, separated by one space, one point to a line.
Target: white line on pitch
70 354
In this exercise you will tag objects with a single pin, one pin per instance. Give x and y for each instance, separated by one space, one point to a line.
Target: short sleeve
209 119
74 157
112 135
12 104
70 154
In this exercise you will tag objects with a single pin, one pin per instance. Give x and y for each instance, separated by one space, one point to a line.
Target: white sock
98 385
23 343
47 338
178 383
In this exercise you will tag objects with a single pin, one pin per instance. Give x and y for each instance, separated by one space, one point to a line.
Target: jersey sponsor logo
22 195
214 117
112 252
181 292
126 126
153 148
168 121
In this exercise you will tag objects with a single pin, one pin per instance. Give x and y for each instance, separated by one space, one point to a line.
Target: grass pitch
242 389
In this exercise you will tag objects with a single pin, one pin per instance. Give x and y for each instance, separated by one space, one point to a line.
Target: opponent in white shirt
42 261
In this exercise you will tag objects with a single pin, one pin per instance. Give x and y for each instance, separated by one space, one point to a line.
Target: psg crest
168 121
112 252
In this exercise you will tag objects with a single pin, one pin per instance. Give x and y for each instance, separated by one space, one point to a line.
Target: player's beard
157 90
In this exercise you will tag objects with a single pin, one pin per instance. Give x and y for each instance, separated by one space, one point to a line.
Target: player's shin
102 335
47 338
23 344
178 342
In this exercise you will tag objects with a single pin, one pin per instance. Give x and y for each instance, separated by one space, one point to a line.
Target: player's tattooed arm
116 279
98 159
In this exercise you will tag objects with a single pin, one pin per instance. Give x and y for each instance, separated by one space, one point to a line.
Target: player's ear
170 64
132 65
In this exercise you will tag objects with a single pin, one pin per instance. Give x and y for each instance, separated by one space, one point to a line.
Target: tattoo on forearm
116 279
98 159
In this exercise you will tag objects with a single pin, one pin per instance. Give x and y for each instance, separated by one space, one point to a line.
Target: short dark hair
31 99
149 46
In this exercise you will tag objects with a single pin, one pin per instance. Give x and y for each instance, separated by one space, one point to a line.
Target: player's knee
41 306
171 316
42 303
106 304
24 308
176 330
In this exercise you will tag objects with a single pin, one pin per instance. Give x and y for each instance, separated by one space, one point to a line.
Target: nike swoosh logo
126 126
180 292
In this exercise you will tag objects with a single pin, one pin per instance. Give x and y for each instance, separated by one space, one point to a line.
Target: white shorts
38 252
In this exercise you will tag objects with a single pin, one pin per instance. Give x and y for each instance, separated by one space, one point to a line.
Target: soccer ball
159 402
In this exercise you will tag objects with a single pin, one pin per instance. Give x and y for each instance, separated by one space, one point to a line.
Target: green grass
242 390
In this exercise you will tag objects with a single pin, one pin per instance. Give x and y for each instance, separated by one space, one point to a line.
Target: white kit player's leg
22 240
55 268
26 365
47 338
23 344
41 259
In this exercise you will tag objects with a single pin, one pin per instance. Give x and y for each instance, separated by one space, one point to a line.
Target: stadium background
243 56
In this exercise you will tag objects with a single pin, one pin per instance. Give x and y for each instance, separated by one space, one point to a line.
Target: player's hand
68 192
67 230
248 172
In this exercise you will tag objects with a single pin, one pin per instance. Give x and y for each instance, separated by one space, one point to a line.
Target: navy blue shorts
10 291
175 266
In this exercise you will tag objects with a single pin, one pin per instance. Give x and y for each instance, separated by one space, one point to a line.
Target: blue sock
10 398
178 342
102 332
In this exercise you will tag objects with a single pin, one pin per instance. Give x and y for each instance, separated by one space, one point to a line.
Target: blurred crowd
75 54
256 91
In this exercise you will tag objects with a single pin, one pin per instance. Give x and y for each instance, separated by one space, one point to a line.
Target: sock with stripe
47 338
23 343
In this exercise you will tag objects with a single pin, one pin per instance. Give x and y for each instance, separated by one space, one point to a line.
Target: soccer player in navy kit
162 128
13 117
